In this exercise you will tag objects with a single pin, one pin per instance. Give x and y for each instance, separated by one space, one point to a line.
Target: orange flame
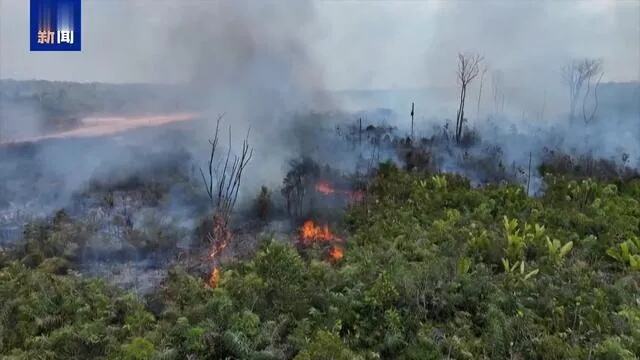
214 278
325 188
220 236
217 248
336 253
310 232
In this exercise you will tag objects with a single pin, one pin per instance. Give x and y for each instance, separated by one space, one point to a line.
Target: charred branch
468 69
222 182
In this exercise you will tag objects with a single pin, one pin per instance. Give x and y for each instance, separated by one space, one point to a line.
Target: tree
222 186
138 349
263 204
576 75
484 71
498 96
468 69
302 176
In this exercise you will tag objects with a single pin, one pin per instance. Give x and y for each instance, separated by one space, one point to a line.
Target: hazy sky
354 44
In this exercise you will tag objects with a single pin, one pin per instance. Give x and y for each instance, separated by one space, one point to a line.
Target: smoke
273 69
252 62
237 58
259 73
269 68
18 121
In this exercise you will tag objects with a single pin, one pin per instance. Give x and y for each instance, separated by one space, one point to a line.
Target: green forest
433 268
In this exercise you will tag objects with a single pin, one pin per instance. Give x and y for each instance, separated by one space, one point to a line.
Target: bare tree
576 75
594 71
468 69
484 71
222 184
412 113
529 174
496 82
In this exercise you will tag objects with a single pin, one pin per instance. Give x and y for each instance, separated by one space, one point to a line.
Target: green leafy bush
433 268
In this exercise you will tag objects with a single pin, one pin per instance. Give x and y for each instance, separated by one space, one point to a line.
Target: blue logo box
55 25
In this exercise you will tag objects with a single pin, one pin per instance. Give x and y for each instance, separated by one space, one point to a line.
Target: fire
217 248
336 253
214 278
325 188
220 236
310 232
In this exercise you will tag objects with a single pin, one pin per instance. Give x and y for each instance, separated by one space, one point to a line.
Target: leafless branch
468 69
576 75
225 179
214 144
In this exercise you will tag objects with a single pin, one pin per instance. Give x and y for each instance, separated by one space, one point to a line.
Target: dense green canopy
432 269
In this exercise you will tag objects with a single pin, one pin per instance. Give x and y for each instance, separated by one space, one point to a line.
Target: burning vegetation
336 253
435 260
222 184
324 188
309 186
214 278
311 233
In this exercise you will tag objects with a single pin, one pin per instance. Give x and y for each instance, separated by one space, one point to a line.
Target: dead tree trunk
468 69
460 114
496 82
484 71
589 118
222 187
412 113
529 174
